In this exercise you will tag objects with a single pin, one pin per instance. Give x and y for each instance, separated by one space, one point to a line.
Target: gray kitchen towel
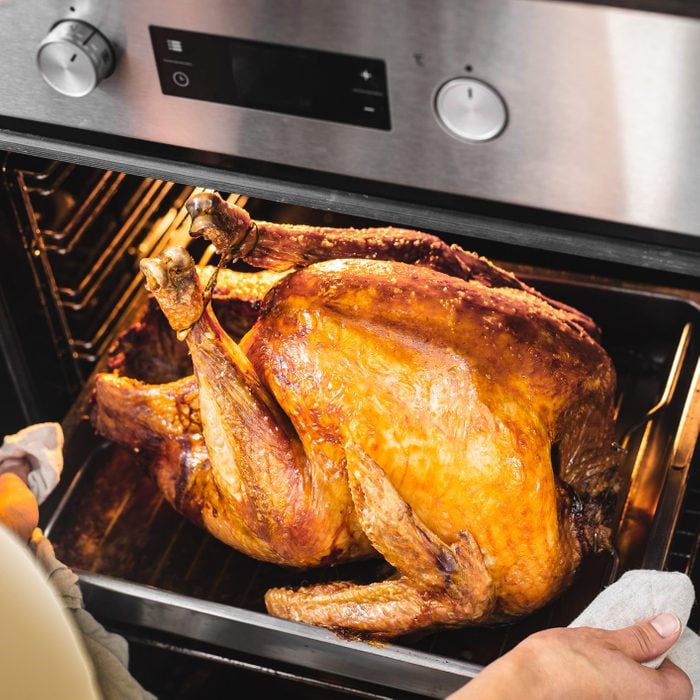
109 652
41 446
640 594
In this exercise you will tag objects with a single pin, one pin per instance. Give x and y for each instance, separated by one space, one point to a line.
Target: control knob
74 57
470 109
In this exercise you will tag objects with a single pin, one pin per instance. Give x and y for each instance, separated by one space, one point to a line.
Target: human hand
19 510
586 663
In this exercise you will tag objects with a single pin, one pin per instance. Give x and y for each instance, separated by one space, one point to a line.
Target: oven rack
85 230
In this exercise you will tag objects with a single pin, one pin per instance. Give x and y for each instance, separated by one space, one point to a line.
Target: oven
556 138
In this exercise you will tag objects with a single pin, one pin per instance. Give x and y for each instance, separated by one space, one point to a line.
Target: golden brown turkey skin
282 247
385 403
460 409
388 407
163 422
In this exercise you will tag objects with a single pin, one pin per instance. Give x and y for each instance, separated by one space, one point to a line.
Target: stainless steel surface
302 676
657 478
671 384
666 516
470 109
601 100
255 633
687 437
600 104
74 58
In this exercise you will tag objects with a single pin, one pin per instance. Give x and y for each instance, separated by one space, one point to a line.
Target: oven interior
74 236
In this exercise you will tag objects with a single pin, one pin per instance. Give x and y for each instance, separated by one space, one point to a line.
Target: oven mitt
41 445
109 652
640 594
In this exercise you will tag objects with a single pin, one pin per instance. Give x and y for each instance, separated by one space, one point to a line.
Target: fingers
647 640
675 681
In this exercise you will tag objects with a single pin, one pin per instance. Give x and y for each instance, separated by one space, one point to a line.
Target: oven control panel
272 77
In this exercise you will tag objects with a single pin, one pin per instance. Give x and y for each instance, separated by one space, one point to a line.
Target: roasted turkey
395 397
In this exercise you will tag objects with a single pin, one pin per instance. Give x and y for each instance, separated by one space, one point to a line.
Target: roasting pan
144 566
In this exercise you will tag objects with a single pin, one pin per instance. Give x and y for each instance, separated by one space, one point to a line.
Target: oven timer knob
74 57
470 109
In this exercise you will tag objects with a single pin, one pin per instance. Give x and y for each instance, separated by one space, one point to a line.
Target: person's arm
99 653
19 510
586 663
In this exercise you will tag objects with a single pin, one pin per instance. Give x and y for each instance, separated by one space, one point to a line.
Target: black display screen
289 80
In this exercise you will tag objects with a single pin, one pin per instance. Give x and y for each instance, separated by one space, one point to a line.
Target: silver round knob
470 109
74 57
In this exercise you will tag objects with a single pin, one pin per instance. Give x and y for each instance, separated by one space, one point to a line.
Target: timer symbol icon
181 79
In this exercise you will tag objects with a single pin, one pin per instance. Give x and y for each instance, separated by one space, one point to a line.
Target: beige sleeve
41 654
108 652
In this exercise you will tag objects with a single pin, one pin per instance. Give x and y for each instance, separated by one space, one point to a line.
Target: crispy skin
383 407
275 246
459 410
163 422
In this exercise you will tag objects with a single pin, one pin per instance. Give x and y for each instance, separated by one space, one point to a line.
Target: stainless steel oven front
585 110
